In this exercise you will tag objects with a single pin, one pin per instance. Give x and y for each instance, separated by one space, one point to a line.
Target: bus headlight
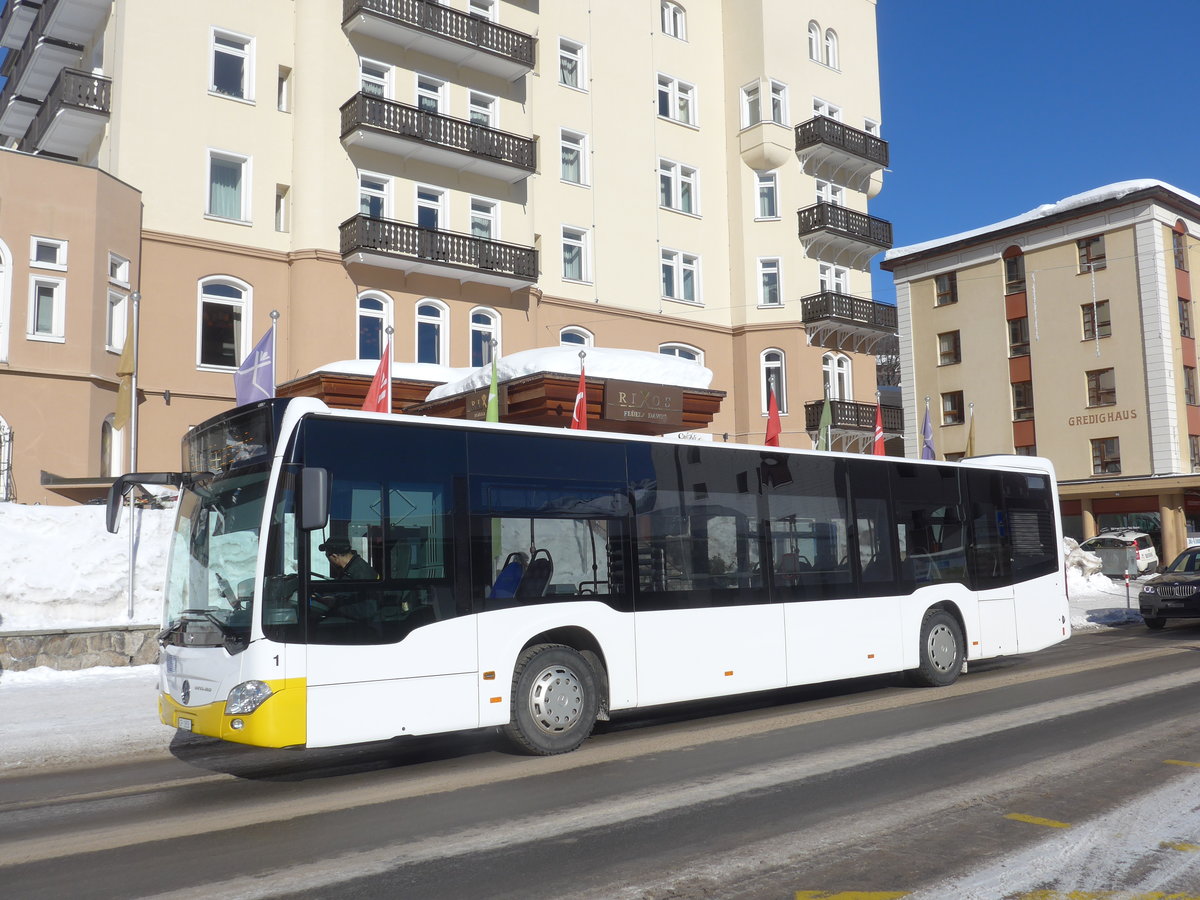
246 698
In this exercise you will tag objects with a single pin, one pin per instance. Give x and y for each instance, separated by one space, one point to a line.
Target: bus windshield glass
210 577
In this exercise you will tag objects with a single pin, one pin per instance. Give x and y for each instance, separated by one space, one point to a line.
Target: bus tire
1154 623
941 651
554 700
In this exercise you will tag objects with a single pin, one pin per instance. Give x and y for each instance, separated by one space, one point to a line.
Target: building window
228 191
774 378
483 219
224 315
375 78
1022 399
826 109
1102 387
678 187
952 408
118 270
1025 450
432 318
1185 318
683 351
835 373
828 192
1018 336
680 276
947 289
485 329
835 279
116 321
870 126
282 217
429 94
1014 271
48 253
949 349
1194 451
481 109
483 9
676 100
570 64
574 156
575 262
769 291
1106 456
575 335
814 41
1189 386
430 208
374 316
1096 321
779 106
374 195
674 20
47 308
768 195
751 105
832 54
283 90
1179 249
1091 254
232 65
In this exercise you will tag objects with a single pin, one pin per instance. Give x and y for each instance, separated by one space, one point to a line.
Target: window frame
116 316
573 236
1091 259
247 54
569 138
493 329
815 41
674 20
1185 317
1098 394
442 334
1190 395
586 338
245 185
837 375
1014 272
833 279
384 193
679 263
1102 462
680 350
578 52
1099 325
1179 249
58 245
58 314
953 408
118 270
483 109
674 175
767 180
674 90
765 365
385 79
424 93
1022 407
491 215
949 348
778 95
833 51
384 314
751 103
765 265
244 304
945 289
1018 337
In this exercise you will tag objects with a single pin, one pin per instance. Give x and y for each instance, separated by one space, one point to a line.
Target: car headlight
246 698
1147 589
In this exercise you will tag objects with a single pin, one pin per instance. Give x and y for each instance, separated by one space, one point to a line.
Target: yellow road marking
1179 845
1035 820
851 895
1180 762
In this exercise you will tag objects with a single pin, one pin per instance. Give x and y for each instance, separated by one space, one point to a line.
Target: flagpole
136 297
389 331
274 357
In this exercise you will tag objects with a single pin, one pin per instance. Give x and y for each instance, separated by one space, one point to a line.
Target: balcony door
838 384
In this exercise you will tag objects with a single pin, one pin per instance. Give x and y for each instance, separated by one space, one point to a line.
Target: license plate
184 724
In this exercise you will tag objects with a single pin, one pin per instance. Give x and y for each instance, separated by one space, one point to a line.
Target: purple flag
255 377
927 451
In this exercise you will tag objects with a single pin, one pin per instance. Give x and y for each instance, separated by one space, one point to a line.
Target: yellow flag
125 369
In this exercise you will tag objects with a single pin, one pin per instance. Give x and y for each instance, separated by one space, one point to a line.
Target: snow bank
1096 600
62 569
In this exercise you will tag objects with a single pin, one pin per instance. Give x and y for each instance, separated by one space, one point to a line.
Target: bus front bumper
280 721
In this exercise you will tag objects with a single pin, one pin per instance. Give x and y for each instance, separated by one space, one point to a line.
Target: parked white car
1123 548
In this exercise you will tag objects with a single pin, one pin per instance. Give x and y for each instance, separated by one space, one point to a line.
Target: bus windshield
209 597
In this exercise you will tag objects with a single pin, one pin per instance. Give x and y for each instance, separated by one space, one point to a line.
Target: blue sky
994 107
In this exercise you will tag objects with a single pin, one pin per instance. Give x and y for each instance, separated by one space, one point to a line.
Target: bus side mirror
314 498
112 514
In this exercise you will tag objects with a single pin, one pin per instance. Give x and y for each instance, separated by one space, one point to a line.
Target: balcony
31 72
842 322
78 21
448 254
836 152
71 117
428 27
407 131
15 21
852 424
842 236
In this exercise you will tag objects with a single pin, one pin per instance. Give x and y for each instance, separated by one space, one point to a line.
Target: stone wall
80 648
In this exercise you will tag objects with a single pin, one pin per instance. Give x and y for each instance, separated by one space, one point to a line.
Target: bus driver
345 561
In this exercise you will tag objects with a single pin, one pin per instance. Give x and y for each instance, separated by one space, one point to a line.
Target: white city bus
536 579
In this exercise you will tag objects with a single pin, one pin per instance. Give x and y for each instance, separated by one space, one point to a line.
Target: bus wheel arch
555 700
942 647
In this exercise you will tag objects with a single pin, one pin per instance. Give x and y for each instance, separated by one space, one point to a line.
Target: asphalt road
1074 769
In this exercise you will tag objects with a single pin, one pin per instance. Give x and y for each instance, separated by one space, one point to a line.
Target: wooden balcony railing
444 22
72 89
823 130
858 310
845 222
365 110
854 416
365 234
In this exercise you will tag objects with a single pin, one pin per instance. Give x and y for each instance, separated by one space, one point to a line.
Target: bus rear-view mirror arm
125 483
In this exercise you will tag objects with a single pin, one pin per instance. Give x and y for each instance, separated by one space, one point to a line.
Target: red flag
379 394
878 451
774 427
579 413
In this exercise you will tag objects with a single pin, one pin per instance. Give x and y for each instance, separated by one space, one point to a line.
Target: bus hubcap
942 648
556 699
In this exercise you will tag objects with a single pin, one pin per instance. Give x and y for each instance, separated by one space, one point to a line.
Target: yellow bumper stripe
281 721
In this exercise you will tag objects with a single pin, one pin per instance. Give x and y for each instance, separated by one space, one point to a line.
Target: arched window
111 447
814 41
374 317
573 334
831 49
836 370
774 377
485 328
683 351
433 322
223 321
1014 270
674 20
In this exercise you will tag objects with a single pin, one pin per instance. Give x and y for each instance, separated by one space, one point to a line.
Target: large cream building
687 178
1070 333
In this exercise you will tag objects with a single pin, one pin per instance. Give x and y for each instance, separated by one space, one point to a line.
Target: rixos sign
631 401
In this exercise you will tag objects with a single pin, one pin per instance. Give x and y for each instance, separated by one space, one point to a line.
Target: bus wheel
1154 622
941 650
554 700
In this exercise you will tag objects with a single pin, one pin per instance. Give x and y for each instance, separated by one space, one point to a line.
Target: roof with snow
1109 193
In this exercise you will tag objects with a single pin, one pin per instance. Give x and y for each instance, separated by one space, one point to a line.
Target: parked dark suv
1173 594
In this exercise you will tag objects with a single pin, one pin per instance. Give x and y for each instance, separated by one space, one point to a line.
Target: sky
994 107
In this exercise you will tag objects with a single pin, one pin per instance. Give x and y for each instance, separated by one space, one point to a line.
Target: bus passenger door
989 563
